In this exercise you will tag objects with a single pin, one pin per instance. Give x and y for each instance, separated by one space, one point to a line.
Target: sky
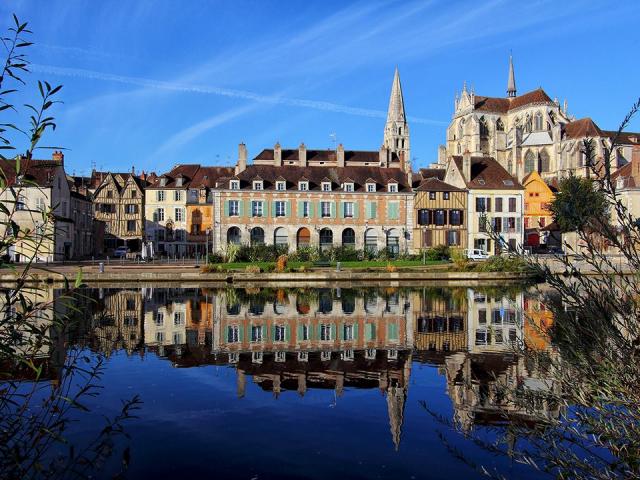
151 84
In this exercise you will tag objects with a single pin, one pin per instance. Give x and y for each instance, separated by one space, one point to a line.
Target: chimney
384 156
277 155
58 156
466 165
340 155
302 155
242 158
402 161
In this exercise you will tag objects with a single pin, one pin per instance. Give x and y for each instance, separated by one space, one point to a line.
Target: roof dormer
257 183
325 185
392 186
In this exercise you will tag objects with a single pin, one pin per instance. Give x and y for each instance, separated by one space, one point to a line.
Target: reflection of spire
241 382
396 397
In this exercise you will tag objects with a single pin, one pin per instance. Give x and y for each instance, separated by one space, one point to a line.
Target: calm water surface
310 383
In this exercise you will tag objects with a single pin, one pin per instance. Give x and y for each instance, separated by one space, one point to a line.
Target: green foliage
503 263
305 254
215 258
232 253
441 252
579 205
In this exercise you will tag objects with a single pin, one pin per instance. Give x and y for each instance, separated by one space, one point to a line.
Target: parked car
476 254
120 252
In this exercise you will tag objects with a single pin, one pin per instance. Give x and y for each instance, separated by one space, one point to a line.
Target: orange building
537 198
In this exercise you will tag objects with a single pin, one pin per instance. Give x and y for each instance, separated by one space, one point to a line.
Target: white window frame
306 209
348 332
326 186
325 332
281 186
177 195
178 318
322 211
160 196
258 185
233 334
280 333
179 214
348 187
281 208
160 212
40 204
371 187
159 319
348 209
392 187
234 185
303 186
234 208
257 334
257 208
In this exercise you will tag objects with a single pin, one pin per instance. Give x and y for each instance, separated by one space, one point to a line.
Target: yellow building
537 198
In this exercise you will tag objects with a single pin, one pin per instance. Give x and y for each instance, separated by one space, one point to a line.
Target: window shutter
226 207
311 210
155 215
341 333
299 207
333 331
240 208
341 210
273 208
273 333
287 333
427 240
356 208
241 333
299 333
488 204
374 209
356 336
367 210
287 208
319 331
333 209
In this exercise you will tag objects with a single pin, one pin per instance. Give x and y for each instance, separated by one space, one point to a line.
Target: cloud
225 92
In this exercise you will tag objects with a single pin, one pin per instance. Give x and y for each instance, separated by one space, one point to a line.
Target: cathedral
528 132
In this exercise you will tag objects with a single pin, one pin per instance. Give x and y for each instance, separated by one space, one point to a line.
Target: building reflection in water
302 339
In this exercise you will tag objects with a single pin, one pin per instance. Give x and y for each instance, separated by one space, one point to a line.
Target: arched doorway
393 242
257 236
234 236
326 239
371 241
303 238
349 238
280 238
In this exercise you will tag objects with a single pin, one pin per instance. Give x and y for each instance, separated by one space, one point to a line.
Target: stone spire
511 84
396 131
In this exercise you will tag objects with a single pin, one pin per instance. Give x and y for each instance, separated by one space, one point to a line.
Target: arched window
349 238
484 129
234 236
326 239
393 241
461 129
529 162
371 240
544 161
500 125
538 122
528 124
280 237
257 236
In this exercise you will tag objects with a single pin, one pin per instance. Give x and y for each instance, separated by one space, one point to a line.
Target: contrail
225 92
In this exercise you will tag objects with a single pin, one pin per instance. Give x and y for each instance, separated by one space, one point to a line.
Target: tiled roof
360 156
315 175
432 184
206 177
585 127
625 138
438 173
38 172
487 173
187 172
625 173
503 105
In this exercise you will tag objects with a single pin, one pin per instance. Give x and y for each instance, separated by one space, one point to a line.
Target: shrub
391 268
281 263
252 269
459 258
305 254
233 252
215 258
441 252
503 263
269 268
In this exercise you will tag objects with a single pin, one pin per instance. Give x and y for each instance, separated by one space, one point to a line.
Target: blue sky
154 83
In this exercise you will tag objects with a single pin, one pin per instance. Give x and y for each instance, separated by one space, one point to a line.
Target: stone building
528 132
34 189
118 201
322 198
495 204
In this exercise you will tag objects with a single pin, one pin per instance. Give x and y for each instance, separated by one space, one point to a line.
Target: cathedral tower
396 130
511 84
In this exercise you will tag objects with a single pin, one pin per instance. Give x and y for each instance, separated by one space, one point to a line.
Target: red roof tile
585 127
503 105
487 173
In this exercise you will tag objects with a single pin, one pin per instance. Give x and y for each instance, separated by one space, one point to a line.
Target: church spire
396 130
511 85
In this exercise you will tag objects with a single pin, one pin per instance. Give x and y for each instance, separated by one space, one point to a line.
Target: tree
578 205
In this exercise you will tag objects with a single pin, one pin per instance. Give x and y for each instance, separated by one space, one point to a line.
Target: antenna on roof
334 139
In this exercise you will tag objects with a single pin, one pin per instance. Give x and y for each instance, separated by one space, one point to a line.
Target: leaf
78 279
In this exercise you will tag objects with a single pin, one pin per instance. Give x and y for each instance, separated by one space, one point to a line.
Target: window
234 208
453 237
178 318
21 203
303 186
325 208
305 209
432 195
348 187
512 204
542 222
130 208
177 195
159 336
256 333
281 209
233 334
440 217
257 185
305 333
234 184
511 224
498 204
497 224
131 225
392 188
445 195
109 193
179 213
159 320
158 216
326 186
257 208
160 195
348 209
348 332
423 217
281 185
40 204
279 333
455 217
325 332
371 187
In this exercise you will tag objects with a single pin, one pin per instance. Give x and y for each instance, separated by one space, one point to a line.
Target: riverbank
192 275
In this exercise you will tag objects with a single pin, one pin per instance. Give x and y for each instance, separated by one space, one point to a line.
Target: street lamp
206 241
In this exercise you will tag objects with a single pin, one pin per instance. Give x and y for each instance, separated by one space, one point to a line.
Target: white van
476 254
